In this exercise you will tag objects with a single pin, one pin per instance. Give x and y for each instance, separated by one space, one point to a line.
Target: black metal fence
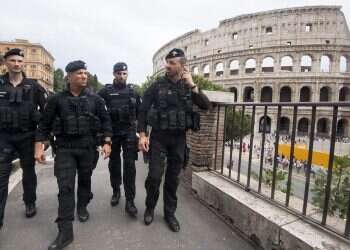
228 159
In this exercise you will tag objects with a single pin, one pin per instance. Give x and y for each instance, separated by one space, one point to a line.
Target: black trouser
170 147
127 142
68 161
23 145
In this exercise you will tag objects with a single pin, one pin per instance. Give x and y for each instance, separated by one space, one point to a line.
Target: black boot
172 222
30 210
115 198
148 216
130 208
64 238
83 214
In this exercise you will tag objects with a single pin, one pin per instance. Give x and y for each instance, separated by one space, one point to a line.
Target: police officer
74 116
122 102
20 98
167 107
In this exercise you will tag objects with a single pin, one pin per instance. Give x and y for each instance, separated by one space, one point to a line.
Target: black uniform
167 107
123 103
19 116
75 121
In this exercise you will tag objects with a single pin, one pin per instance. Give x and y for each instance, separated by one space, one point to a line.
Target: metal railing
241 172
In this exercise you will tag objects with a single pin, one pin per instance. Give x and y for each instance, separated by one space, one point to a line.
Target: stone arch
219 69
343 127
325 94
344 94
303 126
268 64
248 94
306 63
287 63
323 127
250 65
195 70
206 70
344 64
305 94
268 124
284 125
235 91
234 67
325 63
266 94
285 94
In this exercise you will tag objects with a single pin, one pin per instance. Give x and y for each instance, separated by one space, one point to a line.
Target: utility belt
173 120
75 142
123 114
84 125
21 120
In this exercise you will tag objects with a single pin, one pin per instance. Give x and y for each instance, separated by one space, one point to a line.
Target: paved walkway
109 228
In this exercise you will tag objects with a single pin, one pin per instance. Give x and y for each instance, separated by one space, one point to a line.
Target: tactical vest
76 117
18 110
174 109
121 104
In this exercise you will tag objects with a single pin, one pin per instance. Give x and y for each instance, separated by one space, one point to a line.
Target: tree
94 83
233 125
340 187
58 80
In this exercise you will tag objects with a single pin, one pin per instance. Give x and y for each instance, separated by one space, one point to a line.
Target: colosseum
285 55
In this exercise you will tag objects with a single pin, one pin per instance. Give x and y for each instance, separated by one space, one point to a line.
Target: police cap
14 52
75 65
120 66
175 53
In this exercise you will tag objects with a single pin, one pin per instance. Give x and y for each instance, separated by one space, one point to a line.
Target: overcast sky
106 31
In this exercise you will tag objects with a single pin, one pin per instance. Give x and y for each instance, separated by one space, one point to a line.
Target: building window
250 66
206 42
195 70
268 30
267 64
185 48
251 46
289 43
235 36
206 70
327 42
234 67
325 64
287 63
306 63
33 50
308 27
219 69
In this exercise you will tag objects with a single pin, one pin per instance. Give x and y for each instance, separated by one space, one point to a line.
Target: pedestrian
75 116
167 104
123 104
21 101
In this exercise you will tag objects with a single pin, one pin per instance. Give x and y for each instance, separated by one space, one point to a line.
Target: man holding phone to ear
167 108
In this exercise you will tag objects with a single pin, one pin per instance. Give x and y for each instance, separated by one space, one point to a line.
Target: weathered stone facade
290 55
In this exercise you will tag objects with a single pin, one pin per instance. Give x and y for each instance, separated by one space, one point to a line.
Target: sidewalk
109 228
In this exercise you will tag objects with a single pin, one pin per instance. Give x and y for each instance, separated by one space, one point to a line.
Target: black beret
175 53
75 65
14 52
120 66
